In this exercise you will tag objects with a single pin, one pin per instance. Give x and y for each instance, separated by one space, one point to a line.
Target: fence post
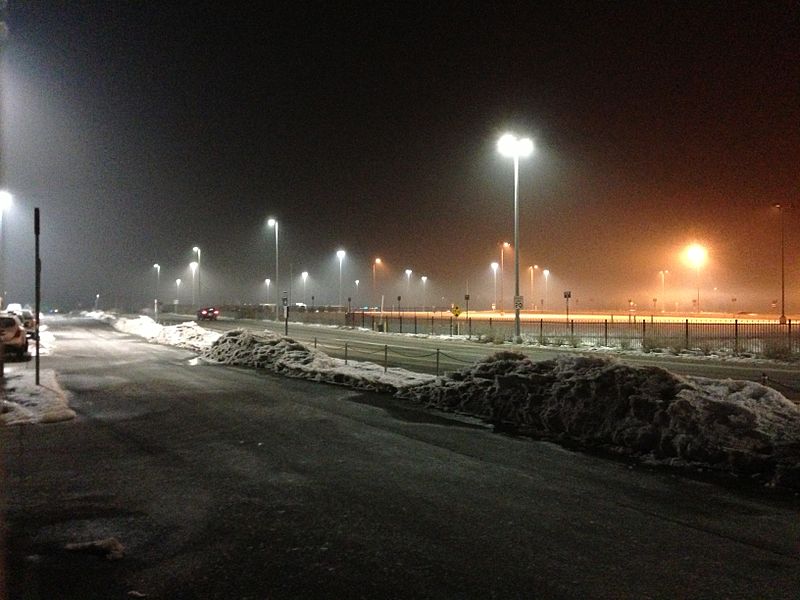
401 323
605 332
415 323
345 353
437 362
385 358
373 322
644 331
686 333
490 326
736 336
362 319
541 332
451 326
572 328
469 327
789 333
315 342
431 324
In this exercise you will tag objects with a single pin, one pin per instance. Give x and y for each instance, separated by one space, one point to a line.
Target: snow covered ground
25 402
736 426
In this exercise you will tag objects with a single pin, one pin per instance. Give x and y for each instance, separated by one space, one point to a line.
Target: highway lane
418 353
232 483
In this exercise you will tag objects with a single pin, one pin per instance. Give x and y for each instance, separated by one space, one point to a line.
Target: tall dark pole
516 249
38 299
783 270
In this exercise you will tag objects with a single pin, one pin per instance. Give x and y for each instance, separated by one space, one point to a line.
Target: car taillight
202 312
216 312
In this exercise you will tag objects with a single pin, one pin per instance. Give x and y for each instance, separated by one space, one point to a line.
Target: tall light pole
663 274
424 292
340 255
503 247
304 276
193 266
494 266
274 223
780 208
177 293
696 256
408 286
196 250
6 200
355 295
546 274
516 148
267 281
157 267
531 269
375 263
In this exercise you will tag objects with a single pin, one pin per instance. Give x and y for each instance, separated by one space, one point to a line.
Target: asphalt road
419 353
229 483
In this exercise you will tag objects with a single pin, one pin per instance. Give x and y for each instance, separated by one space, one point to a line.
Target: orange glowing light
696 255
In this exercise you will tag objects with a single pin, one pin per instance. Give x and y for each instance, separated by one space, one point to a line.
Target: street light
196 250
494 266
375 263
424 292
503 247
340 255
516 148
408 286
355 296
531 269
546 274
274 223
663 274
304 276
6 200
696 256
780 208
157 267
177 293
267 281
193 266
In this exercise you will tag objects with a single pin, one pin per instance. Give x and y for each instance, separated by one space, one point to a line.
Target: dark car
208 313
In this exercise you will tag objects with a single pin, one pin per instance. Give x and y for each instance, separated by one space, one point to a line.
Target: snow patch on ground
736 426
25 402
183 335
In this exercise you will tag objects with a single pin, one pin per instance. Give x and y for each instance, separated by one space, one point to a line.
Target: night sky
142 129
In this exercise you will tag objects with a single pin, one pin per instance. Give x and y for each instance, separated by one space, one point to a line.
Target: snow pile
142 326
25 402
736 426
183 335
285 356
186 335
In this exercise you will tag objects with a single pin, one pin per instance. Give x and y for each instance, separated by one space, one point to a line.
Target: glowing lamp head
495 266
193 266
424 279
506 245
514 147
378 261
408 272
6 200
340 254
271 222
696 255
157 266
546 273
304 275
195 249
177 282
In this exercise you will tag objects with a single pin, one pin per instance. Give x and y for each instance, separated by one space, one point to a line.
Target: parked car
12 335
209 313
28 321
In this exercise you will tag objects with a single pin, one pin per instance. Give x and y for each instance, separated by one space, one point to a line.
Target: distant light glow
408 272
193 266
340 254
378 261
271 222
6 199
304 275
511 146
696 255
495 266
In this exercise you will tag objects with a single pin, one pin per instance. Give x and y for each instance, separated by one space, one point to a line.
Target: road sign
567 294
518 302
456 310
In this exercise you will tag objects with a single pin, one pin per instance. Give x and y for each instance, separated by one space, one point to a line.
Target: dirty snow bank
736 426
25 402
183 335
285 356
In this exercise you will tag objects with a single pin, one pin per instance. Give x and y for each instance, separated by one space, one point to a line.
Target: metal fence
757 338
